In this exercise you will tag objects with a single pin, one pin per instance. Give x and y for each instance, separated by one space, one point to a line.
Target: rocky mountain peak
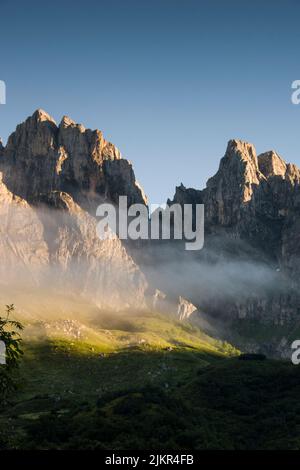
271 164
41 157
234 183
67 122
241 159
240 149
253 197
252 213
292 173
53 180
40 116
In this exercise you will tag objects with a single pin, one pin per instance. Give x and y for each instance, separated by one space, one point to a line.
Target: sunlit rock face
53 177
252 209
41 157
185 309
23 250
233 185
55 247
179 307
256 198
101 270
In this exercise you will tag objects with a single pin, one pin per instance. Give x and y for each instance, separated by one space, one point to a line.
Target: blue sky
167 81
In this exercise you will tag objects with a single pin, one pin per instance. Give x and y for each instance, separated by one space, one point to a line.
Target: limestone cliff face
54 247
231 189
23 251
257 198
252 204
41 157
100 270
53 179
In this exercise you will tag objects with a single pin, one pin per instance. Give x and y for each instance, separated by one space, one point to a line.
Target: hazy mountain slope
248 270
252 243
55 249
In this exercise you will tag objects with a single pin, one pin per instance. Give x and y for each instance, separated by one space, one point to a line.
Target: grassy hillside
146 382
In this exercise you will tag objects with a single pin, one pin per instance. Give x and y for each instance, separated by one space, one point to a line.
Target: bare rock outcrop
271 164
98 269
53 179
55 247
185 309
66 158
252 207
23 251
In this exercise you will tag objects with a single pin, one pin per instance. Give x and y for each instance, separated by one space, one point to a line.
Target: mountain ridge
67 157
252 208
252 204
